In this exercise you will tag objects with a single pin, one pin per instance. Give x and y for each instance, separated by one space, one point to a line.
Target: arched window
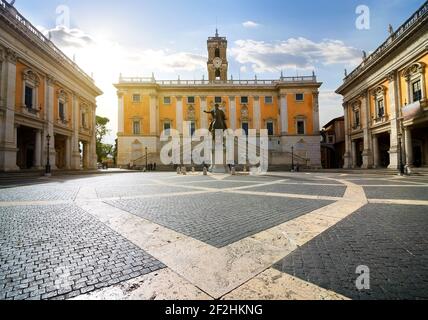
217 74
217 53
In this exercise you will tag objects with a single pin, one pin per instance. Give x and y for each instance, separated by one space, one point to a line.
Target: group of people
151 167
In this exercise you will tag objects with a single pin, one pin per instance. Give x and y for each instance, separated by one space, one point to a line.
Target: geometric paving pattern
318 226
219 219
59 252
391 240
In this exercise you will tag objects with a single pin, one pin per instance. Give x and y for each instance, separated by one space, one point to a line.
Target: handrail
24 25
151 80
420 14
236 144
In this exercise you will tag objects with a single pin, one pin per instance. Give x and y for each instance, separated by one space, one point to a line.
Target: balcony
30 111
401 33
63 122
380 119
356 127
184 83
414 109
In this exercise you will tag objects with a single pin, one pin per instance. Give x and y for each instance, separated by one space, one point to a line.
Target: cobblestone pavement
391 240
59 252
214 236
219 219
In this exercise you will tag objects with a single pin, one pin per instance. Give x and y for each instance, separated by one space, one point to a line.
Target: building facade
42 93
333 144
385 101
288 108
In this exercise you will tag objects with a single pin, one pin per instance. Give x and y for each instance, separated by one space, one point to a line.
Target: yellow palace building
287 108
385 101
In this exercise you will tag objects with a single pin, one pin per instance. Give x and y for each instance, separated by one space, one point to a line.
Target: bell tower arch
217 58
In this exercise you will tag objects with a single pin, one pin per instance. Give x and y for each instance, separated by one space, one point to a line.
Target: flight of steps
9 178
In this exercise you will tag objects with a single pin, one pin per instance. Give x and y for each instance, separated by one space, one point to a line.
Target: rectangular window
300 97
300 127
167 127
269 127
268 100
83 120
192 128
244 100
136 98
357 118
245 127
191 100
218 100
380 108
29 97
167 100
417 91
136 127
61 110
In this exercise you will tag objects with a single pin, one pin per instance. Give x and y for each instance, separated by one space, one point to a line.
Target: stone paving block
55 237
382 237
403 193
219 219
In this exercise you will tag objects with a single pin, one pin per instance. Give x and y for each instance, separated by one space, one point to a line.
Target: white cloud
299 53
243 69
250 24
64 37
330 106
106 59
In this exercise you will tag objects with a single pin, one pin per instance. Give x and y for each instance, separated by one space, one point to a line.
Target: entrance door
417 156
29 158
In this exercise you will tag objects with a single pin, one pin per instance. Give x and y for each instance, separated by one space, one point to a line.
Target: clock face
217 62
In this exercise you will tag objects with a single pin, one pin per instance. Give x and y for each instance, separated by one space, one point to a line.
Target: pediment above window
31 76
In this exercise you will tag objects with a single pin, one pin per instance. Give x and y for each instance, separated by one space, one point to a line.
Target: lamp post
400 150
146 160
292 158
48 164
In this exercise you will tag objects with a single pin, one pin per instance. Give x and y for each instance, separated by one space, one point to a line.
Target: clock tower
217 58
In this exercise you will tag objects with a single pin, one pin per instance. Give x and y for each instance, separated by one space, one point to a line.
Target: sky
168 38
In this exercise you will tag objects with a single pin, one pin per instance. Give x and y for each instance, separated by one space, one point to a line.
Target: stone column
367 152
75 148
153 115
347 157
257 113
316 114
394 156
68 153
232 107
38 150
93 144
284 114
203 115
49 87
354 154
121 112
179 114
408 147
8 142
376 155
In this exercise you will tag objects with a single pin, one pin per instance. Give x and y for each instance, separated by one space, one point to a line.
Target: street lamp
146 160
292 158
401 165
48 164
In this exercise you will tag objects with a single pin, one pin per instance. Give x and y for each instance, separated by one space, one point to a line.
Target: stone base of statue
218 168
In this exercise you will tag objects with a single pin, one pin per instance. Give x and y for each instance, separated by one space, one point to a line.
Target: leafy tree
103 149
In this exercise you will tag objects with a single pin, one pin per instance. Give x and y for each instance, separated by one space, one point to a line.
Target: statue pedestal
218 168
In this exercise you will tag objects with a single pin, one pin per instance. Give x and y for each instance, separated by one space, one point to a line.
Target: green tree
103 149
